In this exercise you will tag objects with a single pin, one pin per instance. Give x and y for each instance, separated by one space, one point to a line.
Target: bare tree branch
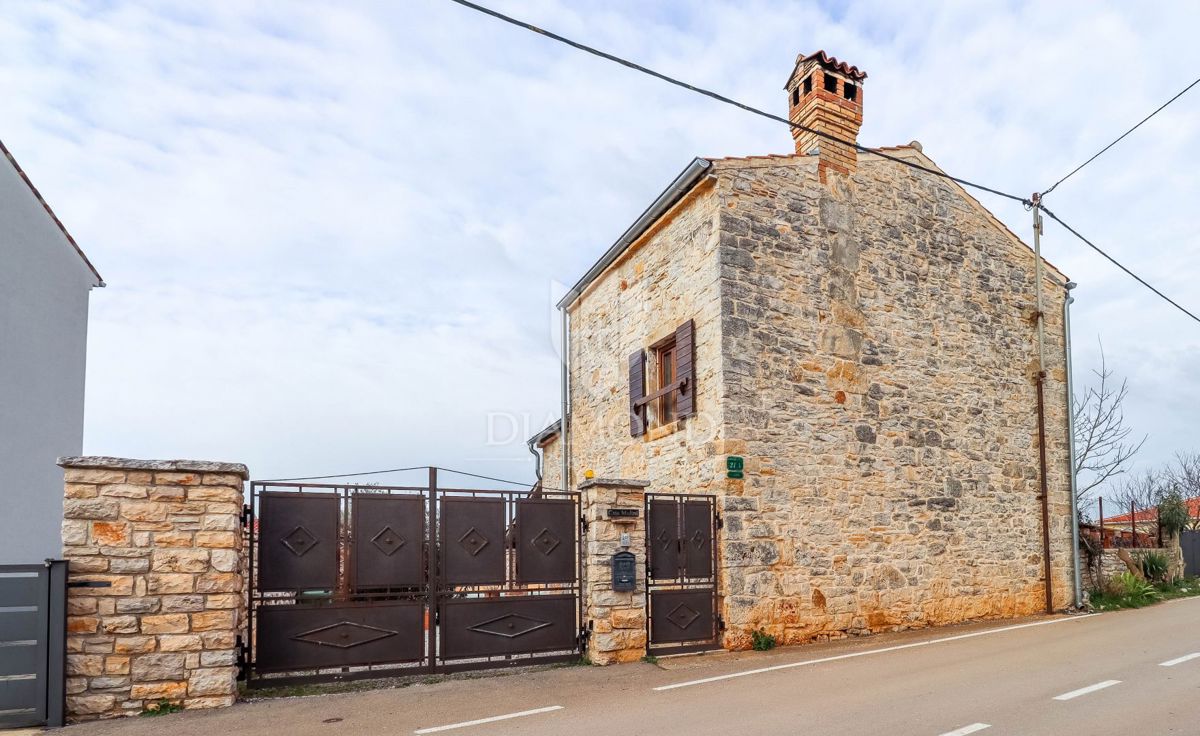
1103 448
1142 491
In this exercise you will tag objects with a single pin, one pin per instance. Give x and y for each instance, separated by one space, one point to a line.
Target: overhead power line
344 475
729 101
762 113
1121 137
419 467
1118 264
502 480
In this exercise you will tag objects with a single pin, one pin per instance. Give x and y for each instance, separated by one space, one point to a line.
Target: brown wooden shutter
637 391
685 371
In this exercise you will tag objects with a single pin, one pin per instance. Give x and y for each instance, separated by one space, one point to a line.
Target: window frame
666 364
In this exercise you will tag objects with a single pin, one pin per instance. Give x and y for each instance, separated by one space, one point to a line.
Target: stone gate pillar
617 619
157 590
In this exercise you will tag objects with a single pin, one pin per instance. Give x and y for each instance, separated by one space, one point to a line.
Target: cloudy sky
333 232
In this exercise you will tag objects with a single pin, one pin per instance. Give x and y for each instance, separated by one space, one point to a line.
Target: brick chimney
825 95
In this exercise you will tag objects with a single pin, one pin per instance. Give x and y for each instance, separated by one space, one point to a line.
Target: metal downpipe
564 431
1071 445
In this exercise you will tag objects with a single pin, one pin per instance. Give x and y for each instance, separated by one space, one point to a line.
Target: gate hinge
583 523
720 522
720 623
247 515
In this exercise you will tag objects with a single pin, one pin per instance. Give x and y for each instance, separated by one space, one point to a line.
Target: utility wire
1117 263
721 98
401 470
343 475
1122 136
730 101
502 480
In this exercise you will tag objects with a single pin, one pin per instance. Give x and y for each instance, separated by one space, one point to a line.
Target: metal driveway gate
681 573
33 630
371 581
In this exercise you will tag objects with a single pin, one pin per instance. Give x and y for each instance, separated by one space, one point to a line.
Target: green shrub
1155 566
761 640
1131 591
1173 514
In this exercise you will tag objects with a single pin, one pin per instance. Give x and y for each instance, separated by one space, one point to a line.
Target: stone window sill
657 433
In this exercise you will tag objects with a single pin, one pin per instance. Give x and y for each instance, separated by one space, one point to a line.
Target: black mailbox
624 571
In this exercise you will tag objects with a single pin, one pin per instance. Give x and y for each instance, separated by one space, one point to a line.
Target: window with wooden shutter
637 393
671 380
685 372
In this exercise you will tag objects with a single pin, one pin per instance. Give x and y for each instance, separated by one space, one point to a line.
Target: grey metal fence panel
32 644
1190 541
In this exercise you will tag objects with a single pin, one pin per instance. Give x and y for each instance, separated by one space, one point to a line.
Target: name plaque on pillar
623 514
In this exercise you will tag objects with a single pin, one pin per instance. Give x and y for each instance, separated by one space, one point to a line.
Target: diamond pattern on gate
473 541
683 616
699 539
546 542
299 541
664 537
343 635
509 626
388 541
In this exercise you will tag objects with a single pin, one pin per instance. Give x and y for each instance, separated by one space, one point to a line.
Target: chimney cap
828 62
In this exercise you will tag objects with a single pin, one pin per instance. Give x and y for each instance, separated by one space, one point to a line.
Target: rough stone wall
552 463
667 278
879 357
1104 566
165 537
867 344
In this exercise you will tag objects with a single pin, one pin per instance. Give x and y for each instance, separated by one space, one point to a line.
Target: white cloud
329 230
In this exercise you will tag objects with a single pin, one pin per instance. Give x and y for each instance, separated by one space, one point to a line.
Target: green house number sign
734 466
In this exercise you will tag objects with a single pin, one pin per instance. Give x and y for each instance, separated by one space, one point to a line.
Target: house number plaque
735 467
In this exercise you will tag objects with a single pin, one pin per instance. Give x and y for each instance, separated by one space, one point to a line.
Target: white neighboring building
44 283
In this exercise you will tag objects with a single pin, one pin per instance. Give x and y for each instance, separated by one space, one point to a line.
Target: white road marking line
884 650
493 719
1086 690
1179 660
974 727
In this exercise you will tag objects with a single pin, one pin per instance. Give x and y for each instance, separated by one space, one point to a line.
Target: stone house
45 284
862 335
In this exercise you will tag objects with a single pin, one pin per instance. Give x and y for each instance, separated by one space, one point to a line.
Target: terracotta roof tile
832 61
1193 505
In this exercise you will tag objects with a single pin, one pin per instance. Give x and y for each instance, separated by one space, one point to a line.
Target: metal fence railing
1132 529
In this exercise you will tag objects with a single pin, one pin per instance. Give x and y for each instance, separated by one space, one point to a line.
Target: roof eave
672 194
546 434
46 206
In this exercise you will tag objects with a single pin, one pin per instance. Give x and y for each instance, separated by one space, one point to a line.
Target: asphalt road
1101 674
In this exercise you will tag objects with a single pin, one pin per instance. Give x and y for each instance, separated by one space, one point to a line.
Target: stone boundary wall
1107 564
162 543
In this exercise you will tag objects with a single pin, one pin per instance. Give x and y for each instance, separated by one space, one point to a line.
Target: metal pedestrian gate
33 631
355 581
681 573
